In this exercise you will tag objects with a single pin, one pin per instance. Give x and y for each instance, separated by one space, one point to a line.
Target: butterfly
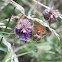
38 32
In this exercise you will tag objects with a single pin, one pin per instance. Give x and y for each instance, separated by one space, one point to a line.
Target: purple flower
21 34
23 30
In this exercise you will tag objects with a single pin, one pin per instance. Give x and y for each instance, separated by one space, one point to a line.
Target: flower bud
50 15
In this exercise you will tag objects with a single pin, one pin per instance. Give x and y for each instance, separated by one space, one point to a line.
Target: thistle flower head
23 30
51 15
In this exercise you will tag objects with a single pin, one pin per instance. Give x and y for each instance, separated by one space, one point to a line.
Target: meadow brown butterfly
38 32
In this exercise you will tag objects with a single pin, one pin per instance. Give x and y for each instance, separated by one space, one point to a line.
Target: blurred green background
49 49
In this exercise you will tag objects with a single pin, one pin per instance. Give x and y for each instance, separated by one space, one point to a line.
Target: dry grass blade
10 48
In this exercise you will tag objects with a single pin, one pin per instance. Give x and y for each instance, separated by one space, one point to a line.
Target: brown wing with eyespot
41 29
38 32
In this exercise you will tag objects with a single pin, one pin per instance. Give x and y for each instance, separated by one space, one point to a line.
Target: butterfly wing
38 32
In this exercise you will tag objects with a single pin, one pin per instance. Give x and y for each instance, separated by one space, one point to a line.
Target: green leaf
24 53
6 57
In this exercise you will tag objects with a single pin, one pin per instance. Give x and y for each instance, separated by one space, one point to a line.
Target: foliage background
47 50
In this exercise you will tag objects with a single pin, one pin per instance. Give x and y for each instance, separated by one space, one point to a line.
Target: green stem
41 4
6 33
6 26
6 57
24 53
